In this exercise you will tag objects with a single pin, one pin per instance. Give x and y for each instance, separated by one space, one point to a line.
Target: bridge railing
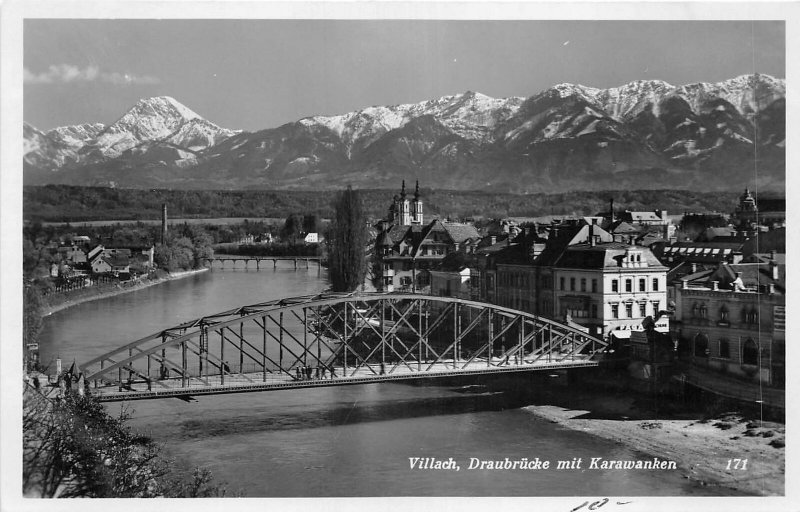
346 334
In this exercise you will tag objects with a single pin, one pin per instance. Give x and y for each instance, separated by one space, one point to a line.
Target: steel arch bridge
336 339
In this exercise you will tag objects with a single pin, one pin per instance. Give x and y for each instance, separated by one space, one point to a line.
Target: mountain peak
163 104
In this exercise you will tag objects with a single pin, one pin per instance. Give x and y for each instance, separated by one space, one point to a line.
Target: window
594 285
629 310
614 285
583 284
655 284
750 352
572 284
724 348
723 313
561 282
642 285
594 310
614 310
642 309
701 345
656 307
629 285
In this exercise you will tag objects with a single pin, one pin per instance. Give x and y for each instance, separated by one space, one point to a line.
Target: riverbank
700 447
96 293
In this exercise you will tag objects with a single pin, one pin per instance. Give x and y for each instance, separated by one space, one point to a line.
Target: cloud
68 73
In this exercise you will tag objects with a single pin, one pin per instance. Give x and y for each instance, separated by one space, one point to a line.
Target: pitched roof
118 260
621 226
461 232
602 255
385 240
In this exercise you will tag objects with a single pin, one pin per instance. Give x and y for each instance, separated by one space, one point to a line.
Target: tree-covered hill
65 203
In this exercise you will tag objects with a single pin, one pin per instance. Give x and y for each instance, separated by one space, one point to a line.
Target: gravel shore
700 447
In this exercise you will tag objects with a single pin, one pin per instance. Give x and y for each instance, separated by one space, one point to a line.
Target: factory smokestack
164 223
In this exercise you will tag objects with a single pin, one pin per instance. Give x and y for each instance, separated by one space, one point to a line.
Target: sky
257 74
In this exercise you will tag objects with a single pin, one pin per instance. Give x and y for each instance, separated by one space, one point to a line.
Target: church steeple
416 207
403 190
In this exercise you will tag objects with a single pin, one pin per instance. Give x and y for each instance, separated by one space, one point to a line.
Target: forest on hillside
65 203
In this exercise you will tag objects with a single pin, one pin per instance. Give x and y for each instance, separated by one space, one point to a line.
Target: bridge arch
334 339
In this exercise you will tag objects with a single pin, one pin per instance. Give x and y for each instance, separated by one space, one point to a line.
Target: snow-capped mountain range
646 133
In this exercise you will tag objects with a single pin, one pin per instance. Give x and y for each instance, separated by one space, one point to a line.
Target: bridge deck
256 381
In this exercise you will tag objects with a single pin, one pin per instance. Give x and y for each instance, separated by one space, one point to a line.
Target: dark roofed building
585 279
407 253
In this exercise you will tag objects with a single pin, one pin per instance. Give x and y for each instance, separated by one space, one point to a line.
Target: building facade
733 320
585 279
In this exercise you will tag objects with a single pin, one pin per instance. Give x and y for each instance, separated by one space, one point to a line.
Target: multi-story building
404 260
585 278
732 319
406 250
769 212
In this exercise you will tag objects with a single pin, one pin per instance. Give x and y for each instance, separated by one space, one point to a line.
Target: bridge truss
336 339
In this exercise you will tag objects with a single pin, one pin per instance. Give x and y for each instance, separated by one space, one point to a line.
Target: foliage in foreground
73 448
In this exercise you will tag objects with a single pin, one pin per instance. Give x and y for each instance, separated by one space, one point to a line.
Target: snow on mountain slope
566 134
76 136
157 118
471 115
748 93
45 152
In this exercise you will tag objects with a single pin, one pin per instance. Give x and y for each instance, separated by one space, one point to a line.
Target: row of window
640 310
573 282
642 285
582 313
747 315
749 349
519 280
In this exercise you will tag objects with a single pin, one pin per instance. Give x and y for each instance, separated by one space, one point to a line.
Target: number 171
740 464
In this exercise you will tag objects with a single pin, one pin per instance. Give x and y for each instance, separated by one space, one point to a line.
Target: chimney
694 268
715 286
773 269
592 241
492 240
164 223
684 284
611 207
772 288
772 254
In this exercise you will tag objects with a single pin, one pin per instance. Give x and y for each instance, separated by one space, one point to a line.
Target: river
339 441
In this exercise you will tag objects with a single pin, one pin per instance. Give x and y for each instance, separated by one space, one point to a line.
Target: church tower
405 210
416 207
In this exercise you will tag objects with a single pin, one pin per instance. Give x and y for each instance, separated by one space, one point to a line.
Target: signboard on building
779 318
662 325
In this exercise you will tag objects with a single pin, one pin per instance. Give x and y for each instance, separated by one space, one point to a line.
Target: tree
72 447
348 242
32 307
293 227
